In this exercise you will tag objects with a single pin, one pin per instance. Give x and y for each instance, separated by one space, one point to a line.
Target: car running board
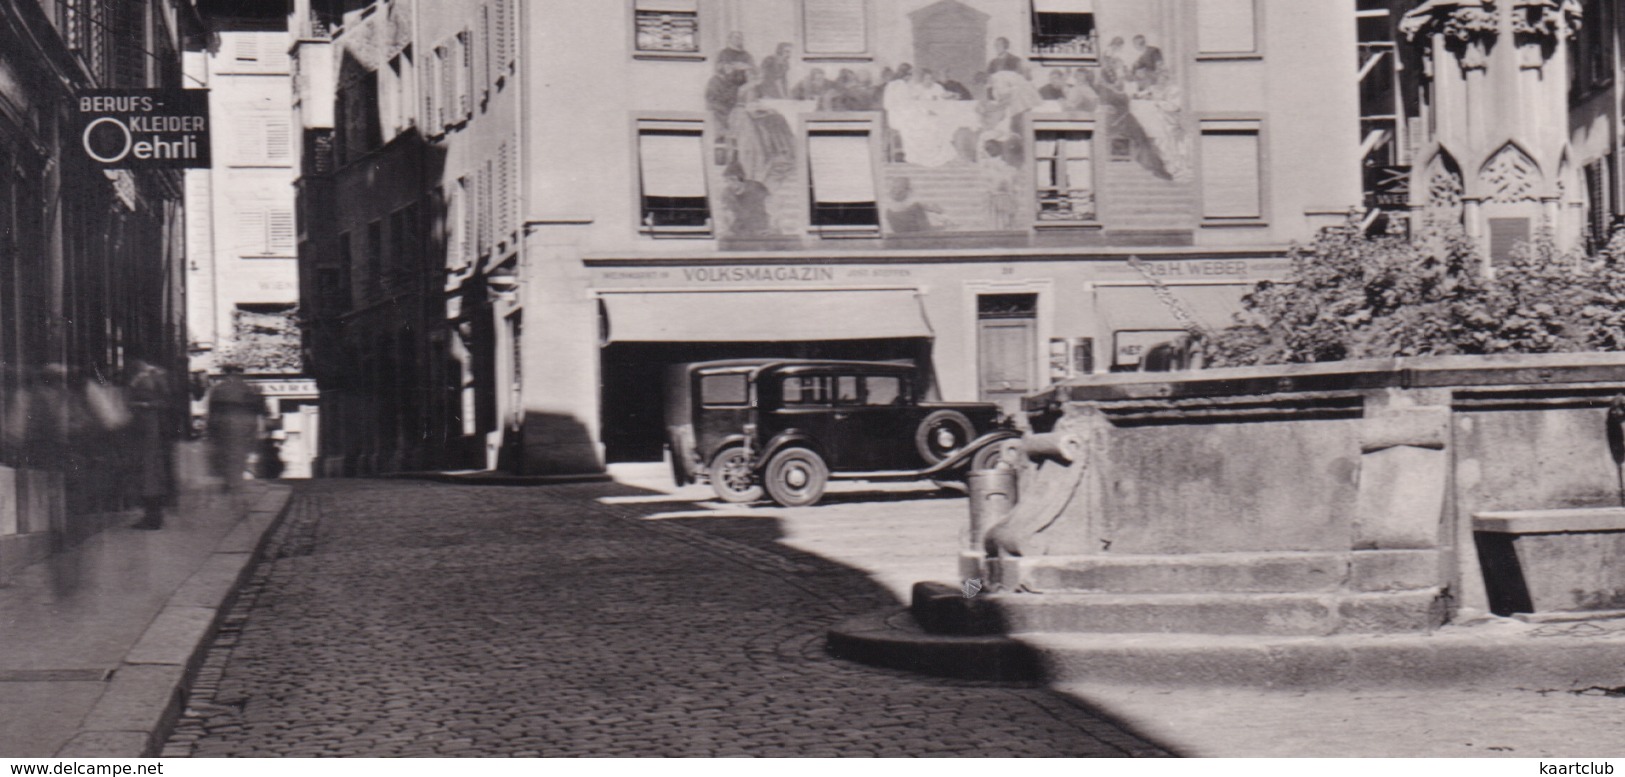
946 465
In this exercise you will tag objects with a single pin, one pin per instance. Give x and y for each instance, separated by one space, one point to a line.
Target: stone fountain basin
1553 562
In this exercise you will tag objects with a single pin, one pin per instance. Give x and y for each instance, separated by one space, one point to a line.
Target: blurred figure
148 398
235 408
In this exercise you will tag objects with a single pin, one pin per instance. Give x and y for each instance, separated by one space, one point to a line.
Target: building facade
242 271
1003 192
91 272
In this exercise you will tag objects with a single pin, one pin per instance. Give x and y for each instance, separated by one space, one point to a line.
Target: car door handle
841 416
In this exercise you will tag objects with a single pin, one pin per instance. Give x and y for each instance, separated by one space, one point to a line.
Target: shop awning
1131 308
763 316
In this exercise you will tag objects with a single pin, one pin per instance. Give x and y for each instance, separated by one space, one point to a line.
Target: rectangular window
806 390
1064 29
883 390
1231 181
265 232
1598 209
843 182
846 390
403 91
1063 159
464 77
1226 27
375 255
446 98
671 161
833 28
1507 234
265 140
433 124
724 390
667 26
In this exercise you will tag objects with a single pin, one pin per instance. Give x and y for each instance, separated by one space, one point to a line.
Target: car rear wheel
942 434
796 477
732 478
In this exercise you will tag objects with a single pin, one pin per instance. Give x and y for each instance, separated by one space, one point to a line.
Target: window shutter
487 68
250 142
1230 178
835 26
251 233
1225 26
246 49
448 85
672 164
842 169
278 139
505 194
431 93
465 76
281 232
505 36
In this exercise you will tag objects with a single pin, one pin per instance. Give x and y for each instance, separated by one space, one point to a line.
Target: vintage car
790 425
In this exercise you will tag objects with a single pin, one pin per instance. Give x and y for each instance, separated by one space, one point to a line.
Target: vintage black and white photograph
812 378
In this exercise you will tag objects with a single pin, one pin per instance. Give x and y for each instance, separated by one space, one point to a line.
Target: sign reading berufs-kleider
145 128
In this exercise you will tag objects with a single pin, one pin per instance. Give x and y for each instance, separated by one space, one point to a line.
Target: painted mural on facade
971 136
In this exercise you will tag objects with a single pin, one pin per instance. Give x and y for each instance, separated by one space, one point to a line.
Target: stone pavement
95 640
400 618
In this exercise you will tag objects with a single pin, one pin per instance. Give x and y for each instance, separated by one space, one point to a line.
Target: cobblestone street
401 618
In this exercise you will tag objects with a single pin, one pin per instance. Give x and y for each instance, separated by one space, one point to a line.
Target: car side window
724 390
806 390
883 390
846 390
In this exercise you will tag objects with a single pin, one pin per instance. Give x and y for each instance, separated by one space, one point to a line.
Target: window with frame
883 390
672 189
1232 183
842 179
267 140
1063 165
835 28
806 390
265 232
666 26
375 255
1226 27
1591 51
1597 187
403 83
726 390
1064 29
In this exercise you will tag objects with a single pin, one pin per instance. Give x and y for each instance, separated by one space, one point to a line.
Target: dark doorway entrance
632 390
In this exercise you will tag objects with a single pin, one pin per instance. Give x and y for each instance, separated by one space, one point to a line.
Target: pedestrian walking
152 479
235 410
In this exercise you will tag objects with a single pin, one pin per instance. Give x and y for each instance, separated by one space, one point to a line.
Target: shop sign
144 128
1132 345
1388 186
286 388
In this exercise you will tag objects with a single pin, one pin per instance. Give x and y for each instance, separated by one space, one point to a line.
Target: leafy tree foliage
1348 296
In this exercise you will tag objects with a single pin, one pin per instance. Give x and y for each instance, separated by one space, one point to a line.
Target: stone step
1493 653
1301 614
1360 571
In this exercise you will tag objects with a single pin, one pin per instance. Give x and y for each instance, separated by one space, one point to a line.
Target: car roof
797 365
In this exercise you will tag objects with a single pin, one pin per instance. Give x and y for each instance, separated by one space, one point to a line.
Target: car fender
786 439
726 443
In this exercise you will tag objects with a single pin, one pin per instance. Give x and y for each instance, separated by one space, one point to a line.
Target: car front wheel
796 477
941 435
732 478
